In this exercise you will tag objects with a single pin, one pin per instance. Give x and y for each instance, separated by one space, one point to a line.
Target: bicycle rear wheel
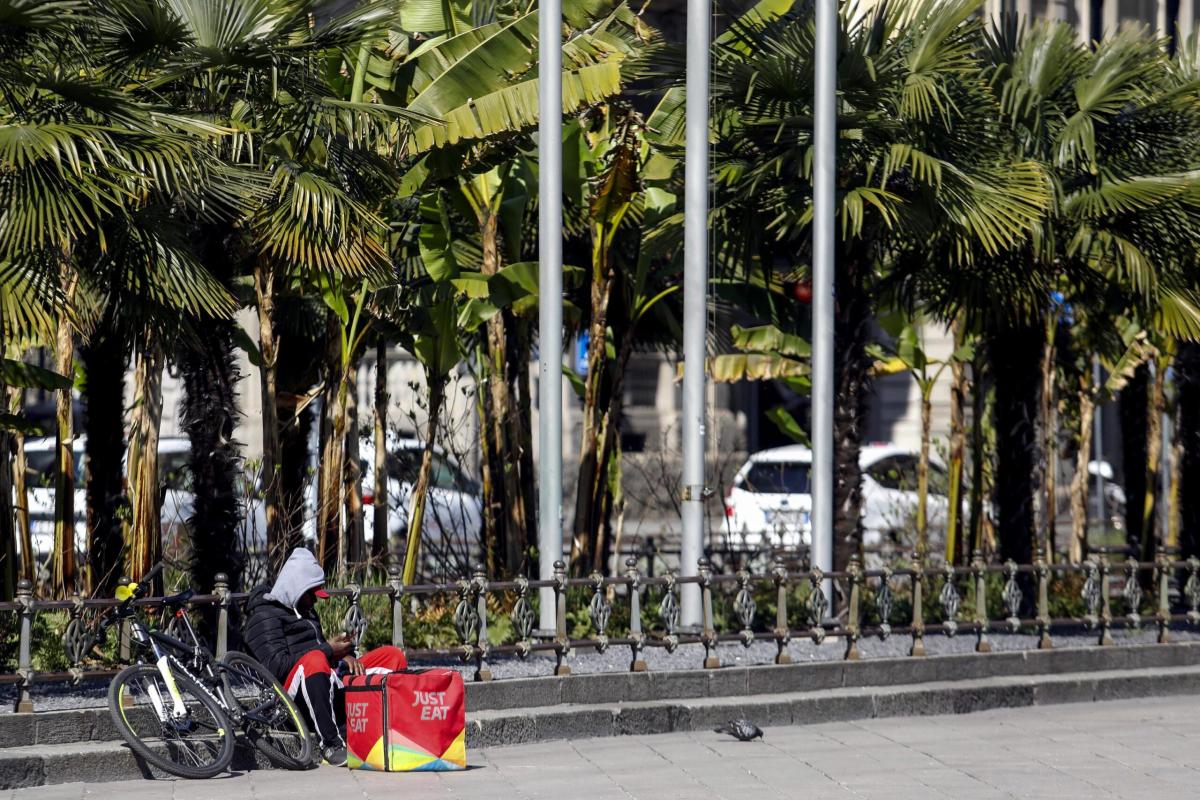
270 719
197 744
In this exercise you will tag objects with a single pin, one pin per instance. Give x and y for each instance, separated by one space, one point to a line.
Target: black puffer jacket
275 632
277 636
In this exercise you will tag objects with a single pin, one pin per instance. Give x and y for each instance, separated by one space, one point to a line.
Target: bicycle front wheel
270 719
196 743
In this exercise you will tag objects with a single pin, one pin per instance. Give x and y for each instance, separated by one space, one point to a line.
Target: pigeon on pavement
741 729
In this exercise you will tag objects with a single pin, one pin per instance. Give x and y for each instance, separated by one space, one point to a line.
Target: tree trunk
417 501
956 553
268 346
978 412
1049 420
1079 481
499 388
64 575
209 415
145 535
851 332
104 360
585 543
293 476
1134 405
1015 356
379 538
923 471
21 492
12 568
493 544
603 499
1157 407
1187 371
331 545
523 441
352 489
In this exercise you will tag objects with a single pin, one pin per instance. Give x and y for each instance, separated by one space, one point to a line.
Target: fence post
560 619
982 645
25 647
918 615
1105 608
636 638
1042 569
708 633
854 571
396 596
1163 617
1133 593
782 631
221 590
479 578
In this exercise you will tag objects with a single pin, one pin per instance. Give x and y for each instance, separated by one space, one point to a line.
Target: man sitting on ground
283 632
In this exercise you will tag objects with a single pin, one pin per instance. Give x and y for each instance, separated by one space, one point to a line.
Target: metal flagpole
824 163
695 292
550 530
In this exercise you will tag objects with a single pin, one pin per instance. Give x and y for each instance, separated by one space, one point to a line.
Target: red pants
315 682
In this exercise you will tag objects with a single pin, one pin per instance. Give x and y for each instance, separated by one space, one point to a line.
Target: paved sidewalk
1126 749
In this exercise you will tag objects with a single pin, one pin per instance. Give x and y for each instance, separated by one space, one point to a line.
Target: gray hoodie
300 573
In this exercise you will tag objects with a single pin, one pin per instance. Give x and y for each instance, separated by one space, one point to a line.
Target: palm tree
89 172
1113 129
922 172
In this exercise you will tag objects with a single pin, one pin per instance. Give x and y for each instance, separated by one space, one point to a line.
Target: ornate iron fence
869 601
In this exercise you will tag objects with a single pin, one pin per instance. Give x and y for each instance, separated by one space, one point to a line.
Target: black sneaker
334 756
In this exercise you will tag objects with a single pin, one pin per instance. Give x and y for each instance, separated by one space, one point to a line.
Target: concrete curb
61 746
500 728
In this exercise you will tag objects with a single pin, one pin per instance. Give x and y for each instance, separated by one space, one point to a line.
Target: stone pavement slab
1125 749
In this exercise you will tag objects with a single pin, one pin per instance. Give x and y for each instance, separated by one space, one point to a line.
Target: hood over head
300 573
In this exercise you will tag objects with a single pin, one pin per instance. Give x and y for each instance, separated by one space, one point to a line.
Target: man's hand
341 646
354 666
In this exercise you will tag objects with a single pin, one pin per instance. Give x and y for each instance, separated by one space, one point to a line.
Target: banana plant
909 354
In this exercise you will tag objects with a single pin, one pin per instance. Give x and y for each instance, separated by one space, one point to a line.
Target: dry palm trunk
379 538
64 573
12 569
1077 548
978 410
352 482
1049 446
1157 407
331 545
512 506
923 473
145 536
955 551
1173 501
268 346
419 497
20 490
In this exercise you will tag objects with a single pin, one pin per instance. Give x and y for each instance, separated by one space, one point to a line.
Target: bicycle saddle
178 600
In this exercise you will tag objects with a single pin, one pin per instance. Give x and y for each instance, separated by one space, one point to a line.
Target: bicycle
189 703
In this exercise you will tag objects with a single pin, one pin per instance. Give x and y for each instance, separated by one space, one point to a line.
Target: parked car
174 479
452 531
769 502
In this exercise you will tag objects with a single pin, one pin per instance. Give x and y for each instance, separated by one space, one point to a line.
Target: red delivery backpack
407 721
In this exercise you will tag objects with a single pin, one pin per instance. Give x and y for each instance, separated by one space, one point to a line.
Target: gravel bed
62 696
